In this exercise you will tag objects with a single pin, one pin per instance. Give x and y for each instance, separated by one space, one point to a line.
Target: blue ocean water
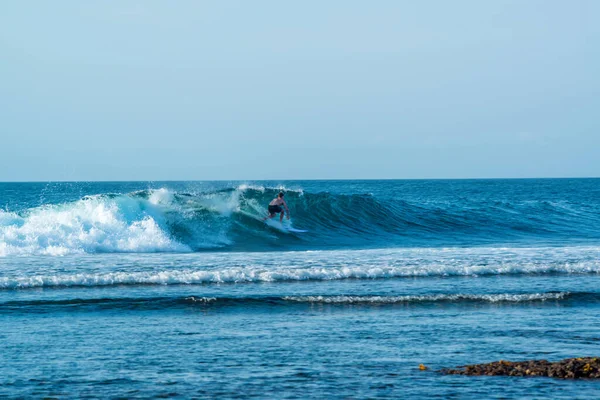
177 289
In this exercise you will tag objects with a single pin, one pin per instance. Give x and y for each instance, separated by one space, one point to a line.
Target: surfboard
284 227
297 230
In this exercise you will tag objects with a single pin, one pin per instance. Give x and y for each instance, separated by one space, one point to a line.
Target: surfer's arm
286 208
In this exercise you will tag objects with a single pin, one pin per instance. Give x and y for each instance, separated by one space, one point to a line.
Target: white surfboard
284 227
290 229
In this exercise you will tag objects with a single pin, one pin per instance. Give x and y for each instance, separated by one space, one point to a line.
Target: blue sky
153 90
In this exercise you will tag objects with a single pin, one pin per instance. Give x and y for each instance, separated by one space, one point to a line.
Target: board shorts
275 209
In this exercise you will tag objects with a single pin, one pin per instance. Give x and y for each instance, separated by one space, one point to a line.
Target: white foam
262 274
224 203
93 224
491 298
200 268
260 188
243 187
201 299
161 196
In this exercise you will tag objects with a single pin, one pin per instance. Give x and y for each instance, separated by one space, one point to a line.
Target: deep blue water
155 289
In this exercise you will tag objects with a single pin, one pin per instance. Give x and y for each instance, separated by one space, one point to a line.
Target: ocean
178 289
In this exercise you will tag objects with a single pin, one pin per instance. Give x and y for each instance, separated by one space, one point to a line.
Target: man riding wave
275 207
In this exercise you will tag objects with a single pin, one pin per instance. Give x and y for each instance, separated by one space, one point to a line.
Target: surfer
275 207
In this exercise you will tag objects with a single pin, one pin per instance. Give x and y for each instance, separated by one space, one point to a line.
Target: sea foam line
281 274
169 302
491 298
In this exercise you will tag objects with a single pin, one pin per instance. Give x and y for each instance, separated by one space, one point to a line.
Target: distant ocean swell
161 220
258 301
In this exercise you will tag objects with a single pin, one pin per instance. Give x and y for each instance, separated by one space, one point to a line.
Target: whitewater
178 289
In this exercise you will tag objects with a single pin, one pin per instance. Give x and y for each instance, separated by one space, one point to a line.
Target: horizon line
296 179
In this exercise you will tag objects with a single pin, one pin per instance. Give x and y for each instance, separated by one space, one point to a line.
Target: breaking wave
161 220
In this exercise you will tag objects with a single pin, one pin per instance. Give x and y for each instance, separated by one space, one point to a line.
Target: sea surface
178 289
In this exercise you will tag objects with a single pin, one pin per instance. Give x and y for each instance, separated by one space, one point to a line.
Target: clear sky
177 90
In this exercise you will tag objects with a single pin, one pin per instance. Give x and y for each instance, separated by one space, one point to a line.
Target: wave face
352 216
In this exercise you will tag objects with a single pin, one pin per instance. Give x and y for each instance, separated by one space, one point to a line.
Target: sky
240 90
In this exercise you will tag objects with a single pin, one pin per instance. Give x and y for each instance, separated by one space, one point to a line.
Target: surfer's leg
268 217
281 217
